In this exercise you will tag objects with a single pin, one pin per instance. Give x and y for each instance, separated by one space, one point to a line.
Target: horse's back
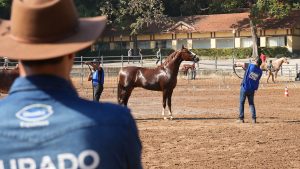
127 71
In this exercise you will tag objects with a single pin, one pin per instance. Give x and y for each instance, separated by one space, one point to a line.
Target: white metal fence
112 65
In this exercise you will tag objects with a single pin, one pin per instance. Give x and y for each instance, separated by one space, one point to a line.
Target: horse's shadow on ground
293 121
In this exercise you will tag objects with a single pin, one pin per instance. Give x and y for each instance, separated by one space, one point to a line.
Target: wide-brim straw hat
44 29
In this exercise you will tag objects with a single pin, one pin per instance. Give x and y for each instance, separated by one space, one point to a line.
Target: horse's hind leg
126 94
121 94
120 87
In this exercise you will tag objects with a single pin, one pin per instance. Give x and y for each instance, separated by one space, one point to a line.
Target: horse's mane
170 58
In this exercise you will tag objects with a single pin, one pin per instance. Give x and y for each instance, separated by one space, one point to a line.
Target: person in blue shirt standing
249 85
97 78
44 123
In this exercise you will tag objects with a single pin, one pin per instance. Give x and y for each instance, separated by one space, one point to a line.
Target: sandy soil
204 133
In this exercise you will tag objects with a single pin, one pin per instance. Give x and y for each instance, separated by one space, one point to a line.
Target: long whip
92 83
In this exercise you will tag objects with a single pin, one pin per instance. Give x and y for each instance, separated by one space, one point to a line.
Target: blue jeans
250 96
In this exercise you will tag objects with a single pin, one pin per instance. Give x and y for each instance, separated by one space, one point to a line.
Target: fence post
102 62
122 60
81 61
216 63
297 68
232 61
141 60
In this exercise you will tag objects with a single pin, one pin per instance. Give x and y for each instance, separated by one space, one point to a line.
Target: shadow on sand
185 118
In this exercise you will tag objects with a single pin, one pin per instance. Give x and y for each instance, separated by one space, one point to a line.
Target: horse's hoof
171 117
165 118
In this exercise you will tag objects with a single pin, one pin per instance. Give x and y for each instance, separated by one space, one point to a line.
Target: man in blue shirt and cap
97 78
44 123
249 85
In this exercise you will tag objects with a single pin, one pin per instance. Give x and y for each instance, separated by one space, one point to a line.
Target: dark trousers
250 97
97 92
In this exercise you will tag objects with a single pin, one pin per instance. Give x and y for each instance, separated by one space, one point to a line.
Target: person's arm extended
91 64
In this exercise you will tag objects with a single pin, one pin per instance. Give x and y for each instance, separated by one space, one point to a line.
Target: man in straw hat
45 124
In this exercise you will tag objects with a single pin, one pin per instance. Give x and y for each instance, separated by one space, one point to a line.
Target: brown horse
7 77
162 78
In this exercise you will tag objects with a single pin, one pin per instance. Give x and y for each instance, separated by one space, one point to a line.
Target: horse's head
187 55
285 60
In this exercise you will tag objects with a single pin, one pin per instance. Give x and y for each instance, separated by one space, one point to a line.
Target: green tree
134 15
262 9
5 9
88 8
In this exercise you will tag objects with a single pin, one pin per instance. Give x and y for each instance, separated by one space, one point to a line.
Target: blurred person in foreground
45 124
249 85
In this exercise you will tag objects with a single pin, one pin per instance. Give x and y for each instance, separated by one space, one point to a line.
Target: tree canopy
134 15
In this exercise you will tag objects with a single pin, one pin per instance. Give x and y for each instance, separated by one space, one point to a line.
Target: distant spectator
270 71
140 54
158 56
129 54
5 64
263 57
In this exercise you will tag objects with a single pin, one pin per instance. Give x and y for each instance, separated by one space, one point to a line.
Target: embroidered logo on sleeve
34 115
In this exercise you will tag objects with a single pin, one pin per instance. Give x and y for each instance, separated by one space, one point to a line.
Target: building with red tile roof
212 31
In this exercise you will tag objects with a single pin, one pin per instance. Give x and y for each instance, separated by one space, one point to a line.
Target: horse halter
194 56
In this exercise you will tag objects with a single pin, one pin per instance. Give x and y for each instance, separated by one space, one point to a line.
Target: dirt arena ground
204 132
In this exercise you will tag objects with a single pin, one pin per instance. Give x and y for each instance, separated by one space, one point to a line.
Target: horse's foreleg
170 104
164 104
276 72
